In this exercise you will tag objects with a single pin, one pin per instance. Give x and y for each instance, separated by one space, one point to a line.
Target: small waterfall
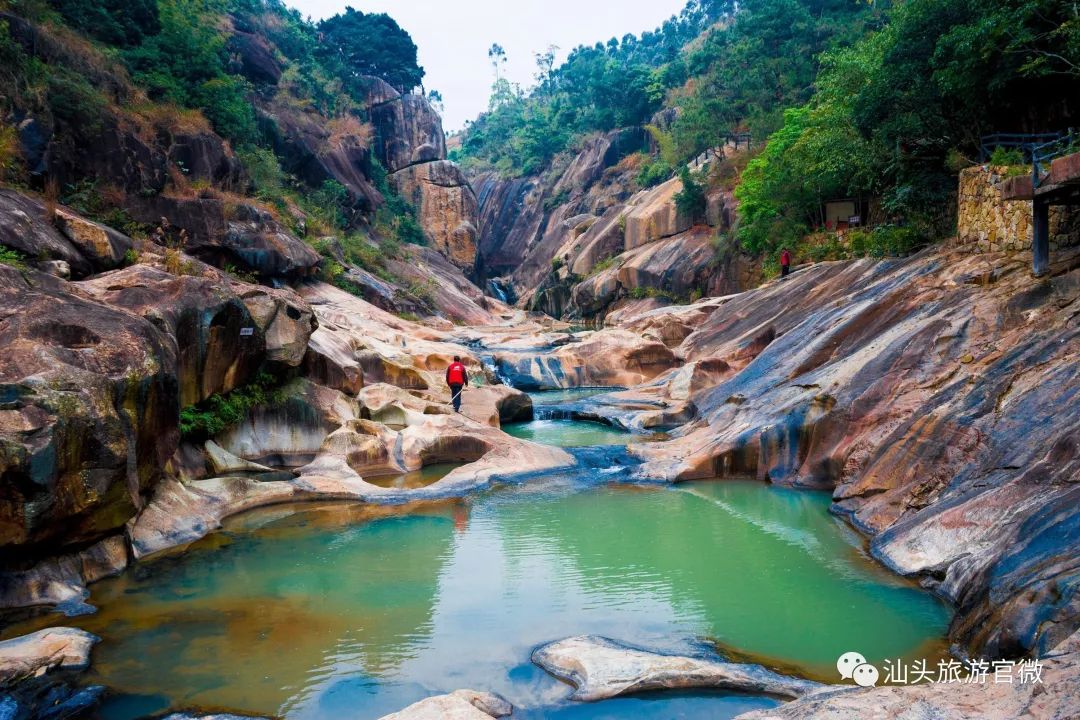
553 412
488 361
607 463
501 289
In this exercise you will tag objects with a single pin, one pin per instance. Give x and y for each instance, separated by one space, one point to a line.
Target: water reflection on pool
350 611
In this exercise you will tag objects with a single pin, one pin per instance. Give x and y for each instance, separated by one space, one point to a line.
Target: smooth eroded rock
600 668
89 413
458 705
45 650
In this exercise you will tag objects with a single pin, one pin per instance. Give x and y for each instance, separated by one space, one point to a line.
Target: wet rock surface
594 359
600 668
62 580
936 396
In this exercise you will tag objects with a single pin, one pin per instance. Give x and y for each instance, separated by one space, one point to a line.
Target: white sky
453 36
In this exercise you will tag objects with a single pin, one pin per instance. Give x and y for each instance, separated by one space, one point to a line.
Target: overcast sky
453 36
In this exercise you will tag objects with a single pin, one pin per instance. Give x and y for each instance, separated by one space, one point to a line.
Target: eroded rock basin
334 611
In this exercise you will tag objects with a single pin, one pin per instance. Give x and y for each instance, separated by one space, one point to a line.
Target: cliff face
108 334
160 163
411 145
547 235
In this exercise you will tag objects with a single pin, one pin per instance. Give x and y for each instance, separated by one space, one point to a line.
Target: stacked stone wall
987 223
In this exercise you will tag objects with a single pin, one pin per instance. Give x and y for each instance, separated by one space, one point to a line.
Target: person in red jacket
457 378
785 263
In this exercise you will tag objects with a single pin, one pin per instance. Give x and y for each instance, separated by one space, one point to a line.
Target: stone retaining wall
986 223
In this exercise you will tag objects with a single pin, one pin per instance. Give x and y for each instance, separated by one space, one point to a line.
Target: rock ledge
601 668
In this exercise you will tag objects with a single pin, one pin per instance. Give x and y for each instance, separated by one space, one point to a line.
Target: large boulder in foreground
89 414
600 668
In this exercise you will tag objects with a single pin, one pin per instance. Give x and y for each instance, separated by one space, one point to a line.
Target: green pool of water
416 479
352 611
569 433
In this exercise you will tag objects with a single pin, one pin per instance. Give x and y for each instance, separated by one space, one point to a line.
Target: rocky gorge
156 386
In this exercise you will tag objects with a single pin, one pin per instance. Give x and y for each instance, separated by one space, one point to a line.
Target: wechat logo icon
853 666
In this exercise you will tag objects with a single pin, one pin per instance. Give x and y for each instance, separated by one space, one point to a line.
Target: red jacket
785 258
456 374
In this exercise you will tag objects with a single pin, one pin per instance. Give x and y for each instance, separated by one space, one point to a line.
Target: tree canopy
894 112
356 44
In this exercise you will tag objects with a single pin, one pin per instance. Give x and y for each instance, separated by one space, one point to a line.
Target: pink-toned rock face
1053 697
653 215
446 205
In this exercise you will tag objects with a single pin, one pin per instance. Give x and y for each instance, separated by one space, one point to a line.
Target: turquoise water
569 433
352 611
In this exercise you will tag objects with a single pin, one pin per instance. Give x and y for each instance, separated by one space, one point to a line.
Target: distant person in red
457 378
785 263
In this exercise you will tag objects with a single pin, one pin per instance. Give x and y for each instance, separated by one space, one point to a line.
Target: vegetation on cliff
608 85
184 59
210 113
724 65
878 101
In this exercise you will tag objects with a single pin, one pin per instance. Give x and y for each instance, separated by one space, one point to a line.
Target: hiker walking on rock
785 263
457 378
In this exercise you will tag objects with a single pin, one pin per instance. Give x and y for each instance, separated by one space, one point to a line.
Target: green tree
497 58
690 200
356 44
123 23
